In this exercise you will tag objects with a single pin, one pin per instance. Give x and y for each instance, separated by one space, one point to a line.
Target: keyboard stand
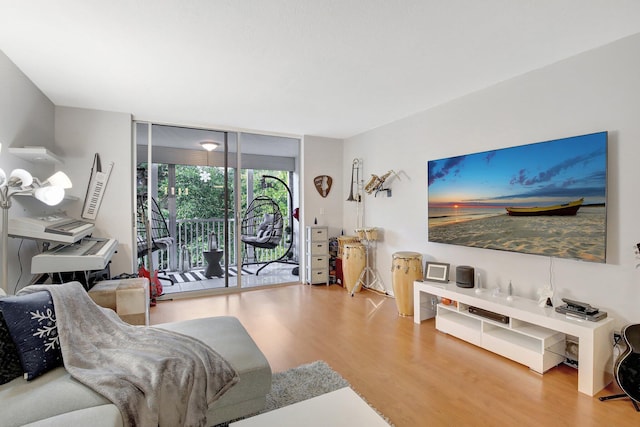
87 278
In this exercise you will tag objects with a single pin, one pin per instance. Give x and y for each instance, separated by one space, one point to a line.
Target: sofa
56 399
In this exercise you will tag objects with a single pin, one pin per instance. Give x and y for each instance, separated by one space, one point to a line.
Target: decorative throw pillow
31 321
10 366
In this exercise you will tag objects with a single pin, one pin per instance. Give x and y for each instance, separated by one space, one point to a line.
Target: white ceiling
331 68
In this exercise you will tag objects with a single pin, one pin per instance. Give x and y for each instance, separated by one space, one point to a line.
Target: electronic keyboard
50 228
90 253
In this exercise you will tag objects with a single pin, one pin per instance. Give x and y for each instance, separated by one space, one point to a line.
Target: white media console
533 335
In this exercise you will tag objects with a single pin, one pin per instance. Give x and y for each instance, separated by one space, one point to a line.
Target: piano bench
129 298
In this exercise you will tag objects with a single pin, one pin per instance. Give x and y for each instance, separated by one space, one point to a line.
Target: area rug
197 275
302 383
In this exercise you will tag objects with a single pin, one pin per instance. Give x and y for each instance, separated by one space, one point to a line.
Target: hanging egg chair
262 223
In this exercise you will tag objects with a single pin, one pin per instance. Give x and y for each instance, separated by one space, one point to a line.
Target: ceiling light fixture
209 145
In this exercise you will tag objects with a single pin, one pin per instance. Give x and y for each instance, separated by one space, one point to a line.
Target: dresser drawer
319 261
318 276
319 248
317 234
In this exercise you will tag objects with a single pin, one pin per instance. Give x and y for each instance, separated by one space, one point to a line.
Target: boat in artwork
566 209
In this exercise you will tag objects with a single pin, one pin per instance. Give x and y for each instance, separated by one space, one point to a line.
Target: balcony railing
194 235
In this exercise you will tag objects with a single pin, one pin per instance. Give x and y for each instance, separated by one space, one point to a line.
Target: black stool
213 263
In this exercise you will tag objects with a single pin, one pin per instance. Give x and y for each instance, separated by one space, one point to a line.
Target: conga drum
343 240
371 234
353 262
406 268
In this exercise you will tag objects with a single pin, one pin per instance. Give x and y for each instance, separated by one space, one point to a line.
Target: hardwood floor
412 373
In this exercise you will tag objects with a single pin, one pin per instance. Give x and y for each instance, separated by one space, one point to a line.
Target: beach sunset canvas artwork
547 198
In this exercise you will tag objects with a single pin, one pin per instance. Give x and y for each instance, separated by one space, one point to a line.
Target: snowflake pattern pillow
31 321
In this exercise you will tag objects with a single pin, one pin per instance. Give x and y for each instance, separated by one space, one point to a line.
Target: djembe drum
406 268
353 262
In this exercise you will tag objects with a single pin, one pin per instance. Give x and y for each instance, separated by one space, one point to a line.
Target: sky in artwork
538 174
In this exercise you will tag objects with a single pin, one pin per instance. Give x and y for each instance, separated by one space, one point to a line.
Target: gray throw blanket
155 377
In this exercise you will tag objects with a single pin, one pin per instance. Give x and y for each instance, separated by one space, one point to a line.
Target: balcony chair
153 235
262 226
268 235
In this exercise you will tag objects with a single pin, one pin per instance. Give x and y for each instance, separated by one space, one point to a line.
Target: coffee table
340 408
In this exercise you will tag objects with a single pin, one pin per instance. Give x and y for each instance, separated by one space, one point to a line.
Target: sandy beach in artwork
579 237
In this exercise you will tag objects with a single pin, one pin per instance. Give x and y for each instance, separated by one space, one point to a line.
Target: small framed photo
436 272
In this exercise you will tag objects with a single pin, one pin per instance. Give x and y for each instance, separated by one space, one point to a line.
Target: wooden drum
353 262
406 267
371 234
343 240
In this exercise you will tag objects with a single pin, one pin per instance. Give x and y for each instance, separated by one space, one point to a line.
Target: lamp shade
51 195
20 178
60 179
3 178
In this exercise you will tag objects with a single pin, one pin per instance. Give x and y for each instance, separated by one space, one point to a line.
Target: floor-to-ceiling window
206 202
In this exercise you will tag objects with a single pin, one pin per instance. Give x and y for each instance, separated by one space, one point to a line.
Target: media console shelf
533 335
539 348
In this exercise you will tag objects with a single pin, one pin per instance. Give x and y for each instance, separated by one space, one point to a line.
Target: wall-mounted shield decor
323 184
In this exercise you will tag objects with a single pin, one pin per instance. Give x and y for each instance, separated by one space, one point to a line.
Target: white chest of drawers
317 255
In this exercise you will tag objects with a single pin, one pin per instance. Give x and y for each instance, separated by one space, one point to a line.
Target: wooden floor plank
412 373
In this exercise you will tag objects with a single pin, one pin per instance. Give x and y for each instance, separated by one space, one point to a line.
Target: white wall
80 134
320 156
26 118
595 91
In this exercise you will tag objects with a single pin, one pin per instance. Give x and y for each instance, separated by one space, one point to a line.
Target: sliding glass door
194 190
209 209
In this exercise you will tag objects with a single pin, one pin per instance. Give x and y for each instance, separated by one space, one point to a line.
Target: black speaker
465 276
